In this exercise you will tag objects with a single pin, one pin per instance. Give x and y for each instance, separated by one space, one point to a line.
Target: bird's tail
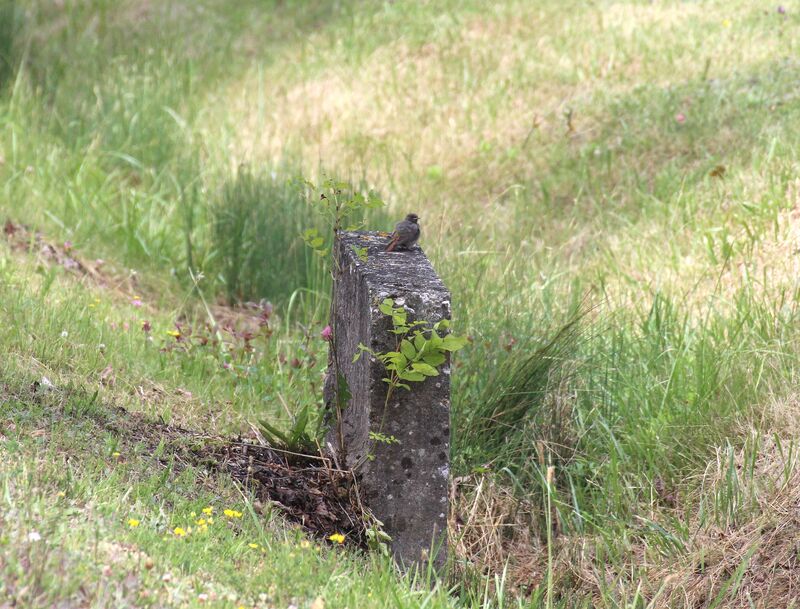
393 243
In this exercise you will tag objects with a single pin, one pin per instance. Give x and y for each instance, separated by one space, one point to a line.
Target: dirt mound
306 488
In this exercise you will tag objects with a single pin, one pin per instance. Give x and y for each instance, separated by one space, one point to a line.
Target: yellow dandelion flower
210 520
173 333
200 521
337 538
116 455
133 523
232 514
208 510
179 531
253 545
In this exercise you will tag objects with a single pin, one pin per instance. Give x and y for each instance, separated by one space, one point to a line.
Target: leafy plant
420 349
378 540
419 352
336 204
297 438
383 438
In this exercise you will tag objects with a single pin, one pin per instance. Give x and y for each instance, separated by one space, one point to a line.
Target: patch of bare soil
21 238
306 488
308 491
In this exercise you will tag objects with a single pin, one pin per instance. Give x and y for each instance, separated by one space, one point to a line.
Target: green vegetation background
610 190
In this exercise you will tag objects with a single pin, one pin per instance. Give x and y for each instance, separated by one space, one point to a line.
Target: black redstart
405 234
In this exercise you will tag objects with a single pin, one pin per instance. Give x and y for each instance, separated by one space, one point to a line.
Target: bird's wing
406 230
393 243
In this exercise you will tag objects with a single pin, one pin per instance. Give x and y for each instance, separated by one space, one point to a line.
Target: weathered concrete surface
405 484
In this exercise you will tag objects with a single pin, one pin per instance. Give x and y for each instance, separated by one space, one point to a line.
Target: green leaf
361 252
387 306
408 349
299 426
453 343
385 439
419 342
274 435
424 368
398 361
443 324
434 358
435 341
408 375
343 394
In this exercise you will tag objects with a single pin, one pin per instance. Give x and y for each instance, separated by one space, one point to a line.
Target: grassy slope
542 145
75 471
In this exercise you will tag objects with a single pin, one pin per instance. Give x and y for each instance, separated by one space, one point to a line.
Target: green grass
637 162
256 222
78 331
67 535
8 34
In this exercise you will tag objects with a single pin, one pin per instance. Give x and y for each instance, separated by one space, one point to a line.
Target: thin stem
549 520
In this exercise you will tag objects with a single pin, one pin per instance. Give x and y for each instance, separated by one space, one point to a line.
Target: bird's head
414 218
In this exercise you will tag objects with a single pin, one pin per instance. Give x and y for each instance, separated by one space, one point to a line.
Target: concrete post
405 484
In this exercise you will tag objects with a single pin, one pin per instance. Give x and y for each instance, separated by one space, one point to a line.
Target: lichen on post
404 474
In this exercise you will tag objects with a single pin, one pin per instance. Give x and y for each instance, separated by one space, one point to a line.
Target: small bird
406 233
